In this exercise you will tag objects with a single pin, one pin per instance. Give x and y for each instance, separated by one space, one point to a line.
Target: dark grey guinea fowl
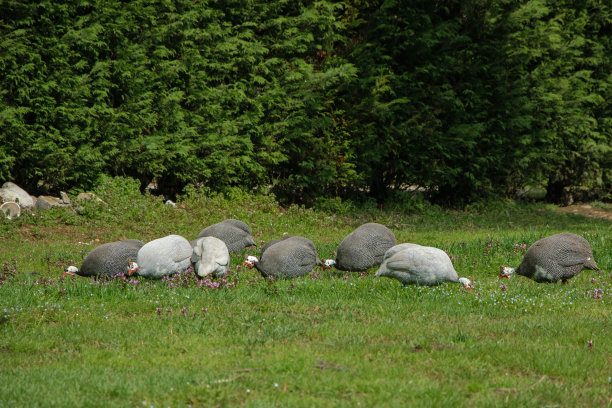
288 257
555 258
110 259
364 248
235 233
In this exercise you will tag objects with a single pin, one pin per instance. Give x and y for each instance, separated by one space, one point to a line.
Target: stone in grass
45 202
65 198
89 197
12 192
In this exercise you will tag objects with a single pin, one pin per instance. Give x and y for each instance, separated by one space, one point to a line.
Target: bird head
250 261
467 283
132 267
506 272
328 263
71 270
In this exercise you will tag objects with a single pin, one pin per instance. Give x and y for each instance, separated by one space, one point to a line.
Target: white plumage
210 257
420 265
164 256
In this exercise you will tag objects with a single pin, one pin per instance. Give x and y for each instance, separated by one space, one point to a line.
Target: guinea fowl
164 256
109 259
210 257
235 233
420 265
554 258
363 248
286 257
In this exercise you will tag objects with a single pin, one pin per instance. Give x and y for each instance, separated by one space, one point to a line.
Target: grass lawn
329 339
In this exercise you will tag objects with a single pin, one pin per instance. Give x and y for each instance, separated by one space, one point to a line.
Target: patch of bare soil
587 210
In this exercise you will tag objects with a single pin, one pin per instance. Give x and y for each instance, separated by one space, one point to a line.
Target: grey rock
364 248
12 192
210 257
110 259
288 257
420 265
555 258
45 202
235 233
164 256
65 198
89 197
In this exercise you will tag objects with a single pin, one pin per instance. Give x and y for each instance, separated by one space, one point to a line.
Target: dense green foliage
314 98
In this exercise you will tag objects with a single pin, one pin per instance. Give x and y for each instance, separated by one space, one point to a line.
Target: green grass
329 339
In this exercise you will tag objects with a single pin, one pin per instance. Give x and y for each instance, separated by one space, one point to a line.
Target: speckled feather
557 257
364 248
288 257
111 258
235 233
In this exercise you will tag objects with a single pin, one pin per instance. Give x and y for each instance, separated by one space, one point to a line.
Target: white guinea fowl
210 257
164 256
420 265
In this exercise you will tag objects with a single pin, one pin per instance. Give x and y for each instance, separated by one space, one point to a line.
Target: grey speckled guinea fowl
364 248
288 257
110 259
235 233
555 258
164 256
419 265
